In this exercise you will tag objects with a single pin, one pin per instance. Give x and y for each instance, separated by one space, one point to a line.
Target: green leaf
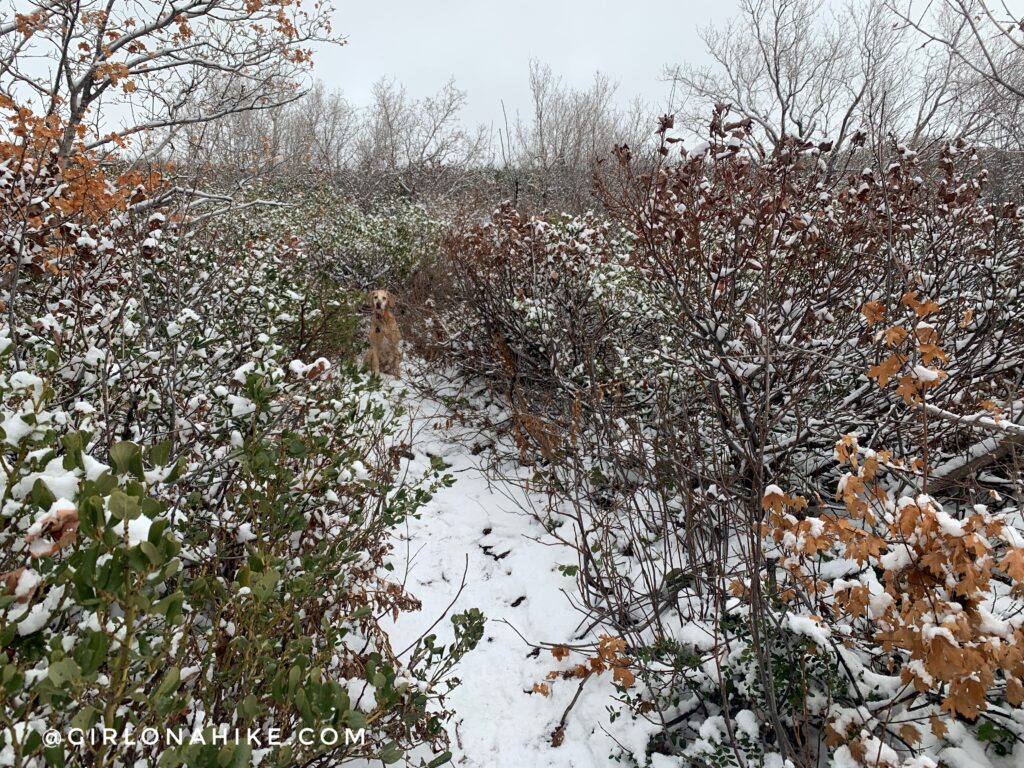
169 606
170 683
63 671
85 718
302 704
32 742
122 506
160 453
41 495
150 551
226 755
391 753
105 483
249 707
72 441
91 654
179 469
263 587
54 755
156 530
127 458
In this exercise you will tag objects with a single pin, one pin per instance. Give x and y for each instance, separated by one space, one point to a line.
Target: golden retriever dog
385 353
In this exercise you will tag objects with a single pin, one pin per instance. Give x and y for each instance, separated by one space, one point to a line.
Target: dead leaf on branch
60 527
921 308
886 370
873 311
10 582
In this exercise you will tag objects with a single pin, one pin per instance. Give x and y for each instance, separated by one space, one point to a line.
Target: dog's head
380 301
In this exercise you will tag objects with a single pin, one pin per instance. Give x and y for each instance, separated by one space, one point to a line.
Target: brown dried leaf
873 311
61 527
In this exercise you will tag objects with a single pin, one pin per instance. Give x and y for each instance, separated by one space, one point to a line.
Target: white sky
487 46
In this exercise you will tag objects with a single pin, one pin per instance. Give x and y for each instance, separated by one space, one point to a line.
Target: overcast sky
487 46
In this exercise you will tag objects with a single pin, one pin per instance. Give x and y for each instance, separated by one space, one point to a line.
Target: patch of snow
499 723
805 625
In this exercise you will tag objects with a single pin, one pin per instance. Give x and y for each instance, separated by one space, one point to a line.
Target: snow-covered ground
513 578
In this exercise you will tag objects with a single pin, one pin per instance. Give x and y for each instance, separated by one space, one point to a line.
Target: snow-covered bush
352 247
747 345
552 310
919 606
362 244
922 597
194 527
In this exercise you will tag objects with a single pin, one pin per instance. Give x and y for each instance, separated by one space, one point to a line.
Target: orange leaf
846 449
921 308
1013 564
910 734
774 500
873 311
870 468
886 369
930 352
966 698
1014 691
623 677
833 737
895 335
909 389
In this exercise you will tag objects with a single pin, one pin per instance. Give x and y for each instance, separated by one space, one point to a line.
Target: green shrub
195 523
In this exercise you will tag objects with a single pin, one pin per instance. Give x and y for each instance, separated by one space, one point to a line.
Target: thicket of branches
726 328
402 147
866 75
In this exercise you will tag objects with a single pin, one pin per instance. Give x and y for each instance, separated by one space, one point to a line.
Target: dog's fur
385 353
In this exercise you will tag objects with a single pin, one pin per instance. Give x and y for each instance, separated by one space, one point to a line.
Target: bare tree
799 71
985 43
318 132
559 144
325 126
779 62
416 143
146 69
985 37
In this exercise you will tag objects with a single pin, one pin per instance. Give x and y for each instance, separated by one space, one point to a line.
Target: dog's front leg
371 361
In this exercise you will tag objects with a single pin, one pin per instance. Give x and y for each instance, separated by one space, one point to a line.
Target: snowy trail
512 577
